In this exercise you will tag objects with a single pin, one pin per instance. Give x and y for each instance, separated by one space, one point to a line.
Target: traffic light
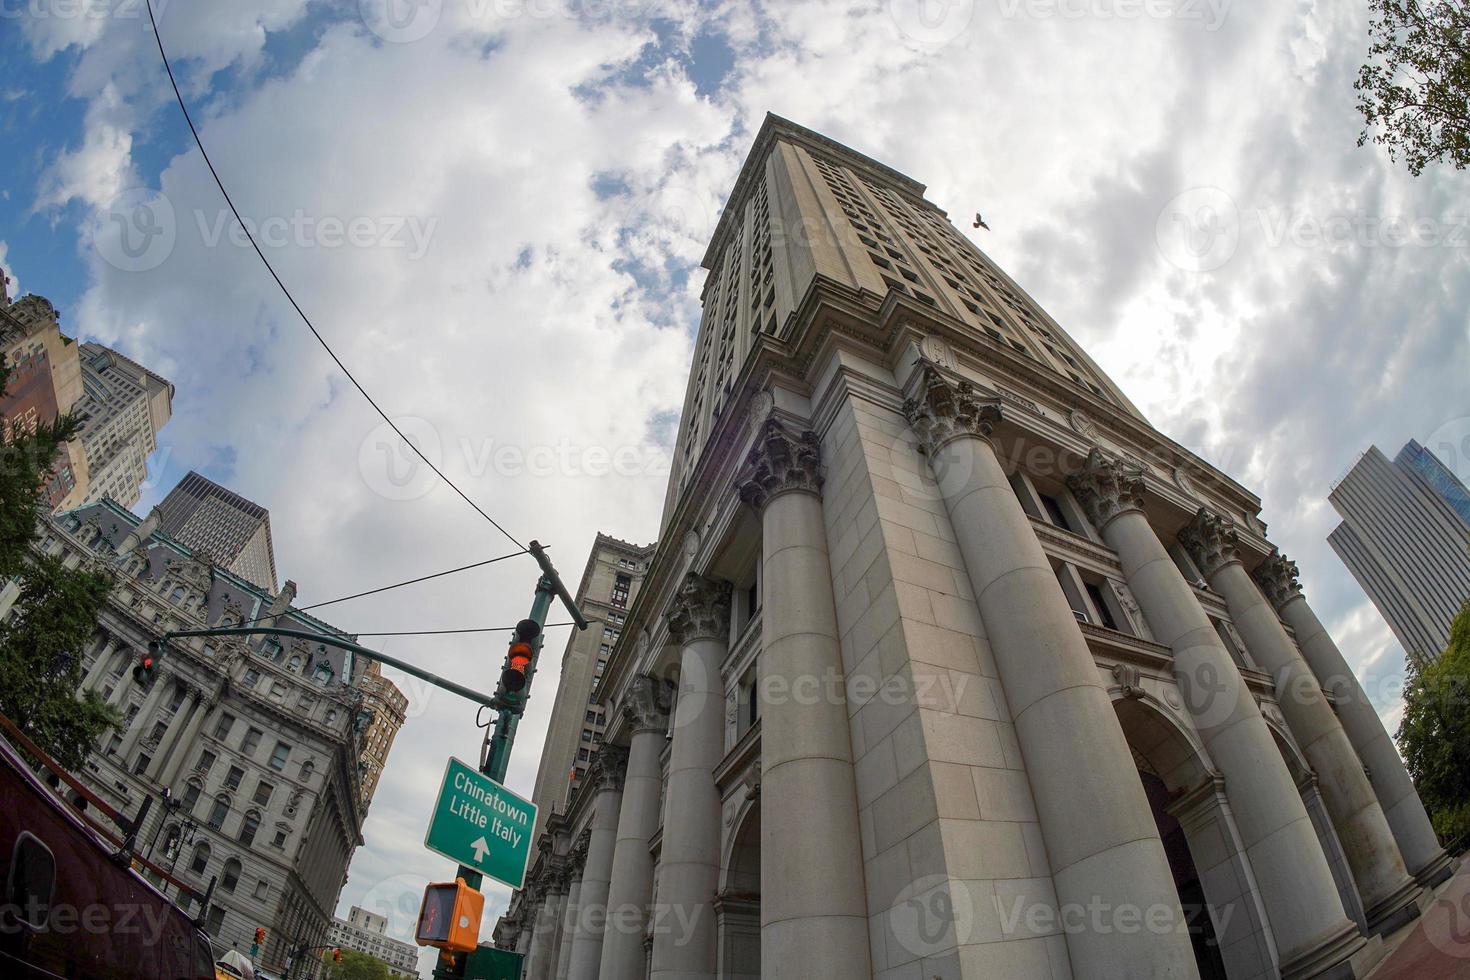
337 955
518 659
259 936
147 665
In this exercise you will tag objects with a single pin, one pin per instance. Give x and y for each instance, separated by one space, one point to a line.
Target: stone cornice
944 409
1106 488
700 610
1211 541
1277 577
782 461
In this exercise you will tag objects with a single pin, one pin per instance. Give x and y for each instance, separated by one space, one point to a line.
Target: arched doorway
1215 884
738 905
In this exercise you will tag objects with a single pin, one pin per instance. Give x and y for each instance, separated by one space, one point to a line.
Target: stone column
186 742
145 713
541 965
813 901
1383 883
530 911
98 670
689 862
1423 856
1313 933
607 769
124 685
566 936
1107 851
183 719
630 892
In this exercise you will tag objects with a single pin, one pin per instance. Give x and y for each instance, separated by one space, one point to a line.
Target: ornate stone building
948 664
258 742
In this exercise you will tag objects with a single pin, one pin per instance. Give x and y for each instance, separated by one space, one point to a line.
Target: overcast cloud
495 210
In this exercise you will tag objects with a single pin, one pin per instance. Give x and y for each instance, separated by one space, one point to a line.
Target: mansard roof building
256 741
947 663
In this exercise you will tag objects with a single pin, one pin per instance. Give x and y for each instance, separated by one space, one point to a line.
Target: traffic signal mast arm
337 641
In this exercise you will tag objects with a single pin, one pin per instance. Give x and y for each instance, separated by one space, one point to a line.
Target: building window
232 875
216 920
278 692
620 590
278 757
248 827
233 777
251 742
191 797
262 889
201 858
263 791
222 730
251 676
1095 594
331 716
1054 511
323 674
206 761
142 763
280 840
218 812
176 698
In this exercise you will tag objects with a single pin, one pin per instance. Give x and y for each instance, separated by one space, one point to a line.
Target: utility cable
292 300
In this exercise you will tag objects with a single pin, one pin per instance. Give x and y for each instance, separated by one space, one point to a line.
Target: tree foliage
357 966
1414 91
56 611
1434 735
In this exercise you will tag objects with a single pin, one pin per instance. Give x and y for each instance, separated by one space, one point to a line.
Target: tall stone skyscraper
948 664
222 524
1404 539
609 585
126 405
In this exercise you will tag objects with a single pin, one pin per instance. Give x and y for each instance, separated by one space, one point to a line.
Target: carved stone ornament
609 765
700 610
1277 577
646 705
1129 680
781 461
944 410
937 350
1083 423
1211 541
577 856
1106 488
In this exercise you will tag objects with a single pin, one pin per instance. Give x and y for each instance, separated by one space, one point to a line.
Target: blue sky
536 187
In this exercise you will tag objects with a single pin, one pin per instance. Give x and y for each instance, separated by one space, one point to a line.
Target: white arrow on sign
480 848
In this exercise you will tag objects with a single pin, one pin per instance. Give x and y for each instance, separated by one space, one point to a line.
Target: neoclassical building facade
948 664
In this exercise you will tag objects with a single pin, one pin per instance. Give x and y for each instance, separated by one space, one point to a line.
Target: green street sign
482 825
489 963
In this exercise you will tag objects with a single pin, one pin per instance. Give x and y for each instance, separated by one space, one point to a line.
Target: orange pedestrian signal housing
450 916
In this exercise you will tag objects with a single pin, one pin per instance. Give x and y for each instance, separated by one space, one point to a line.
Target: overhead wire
179 97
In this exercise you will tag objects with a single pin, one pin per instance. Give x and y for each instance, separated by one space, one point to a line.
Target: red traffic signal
147 663
522 653
259 936
337 956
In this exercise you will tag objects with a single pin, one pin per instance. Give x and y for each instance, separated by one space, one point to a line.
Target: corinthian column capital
1277 577
1106 488
1211 541
646 706
609 764
781 460
700 611
944 410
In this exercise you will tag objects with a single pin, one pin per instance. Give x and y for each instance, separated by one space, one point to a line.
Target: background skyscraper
126 405
1405 537
233 531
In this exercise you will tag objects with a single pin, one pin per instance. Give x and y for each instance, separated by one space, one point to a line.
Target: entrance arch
1217 888
738 904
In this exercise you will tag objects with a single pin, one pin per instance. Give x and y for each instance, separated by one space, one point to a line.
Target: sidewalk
1437 945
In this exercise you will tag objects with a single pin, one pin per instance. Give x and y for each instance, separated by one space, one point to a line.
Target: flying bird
980 222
